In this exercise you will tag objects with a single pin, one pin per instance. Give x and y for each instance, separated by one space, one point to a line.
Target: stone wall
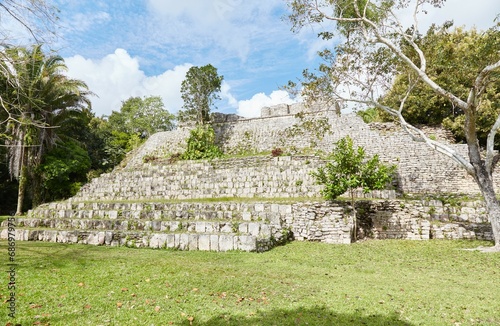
420 168
250 226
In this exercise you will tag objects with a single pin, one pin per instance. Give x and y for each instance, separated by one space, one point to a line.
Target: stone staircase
216 226
248 177
188 205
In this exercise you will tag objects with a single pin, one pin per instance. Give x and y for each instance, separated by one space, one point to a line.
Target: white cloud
251 108
228 27
118 76
479 14
225 94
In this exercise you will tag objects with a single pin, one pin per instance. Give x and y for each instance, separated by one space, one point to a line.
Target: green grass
368 283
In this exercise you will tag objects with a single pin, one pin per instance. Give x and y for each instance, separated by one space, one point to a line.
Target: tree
199 90
143 116
372 48
447 50
348 169
63 170
39 97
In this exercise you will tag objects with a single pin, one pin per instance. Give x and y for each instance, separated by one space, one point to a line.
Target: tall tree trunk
23 181
354 218
485 183
483 178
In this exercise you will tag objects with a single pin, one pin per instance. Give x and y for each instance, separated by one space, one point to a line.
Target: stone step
243 212
178 241
245 177
257 229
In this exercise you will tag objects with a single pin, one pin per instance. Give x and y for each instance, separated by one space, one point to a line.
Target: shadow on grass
30 254
303 316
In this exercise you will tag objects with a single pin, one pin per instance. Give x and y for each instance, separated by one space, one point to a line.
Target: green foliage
357 10
38 101
349 169
454 57
142 116
64 170
370 115
201 144
199 90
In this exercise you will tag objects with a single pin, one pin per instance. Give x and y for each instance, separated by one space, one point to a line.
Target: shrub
201 144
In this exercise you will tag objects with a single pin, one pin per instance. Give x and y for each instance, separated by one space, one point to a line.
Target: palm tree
39 97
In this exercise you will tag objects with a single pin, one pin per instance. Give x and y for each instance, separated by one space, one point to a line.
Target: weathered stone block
183 241
254 229
214 242
170 241
204 242
193 241
246 216
226 242
245 243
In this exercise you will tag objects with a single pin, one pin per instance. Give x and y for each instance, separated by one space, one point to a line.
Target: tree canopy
199 90
453 58
143 116
37 98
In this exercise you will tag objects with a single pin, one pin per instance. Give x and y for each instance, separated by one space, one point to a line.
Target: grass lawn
368 283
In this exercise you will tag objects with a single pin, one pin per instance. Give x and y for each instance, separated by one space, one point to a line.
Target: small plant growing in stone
174 158
276 152
235 227
348 169
149 158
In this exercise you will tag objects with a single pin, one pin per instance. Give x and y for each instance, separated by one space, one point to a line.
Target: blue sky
144 47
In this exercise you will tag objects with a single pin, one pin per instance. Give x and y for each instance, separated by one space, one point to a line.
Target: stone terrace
254 203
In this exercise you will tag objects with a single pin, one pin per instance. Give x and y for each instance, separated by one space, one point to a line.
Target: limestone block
259 207
246 216
285 209
183 241
265 231
200 227
193 241
243 227
170 241
108 237
204 242
254 229
226 228
226 242
214 242
158 240
97 238
245 243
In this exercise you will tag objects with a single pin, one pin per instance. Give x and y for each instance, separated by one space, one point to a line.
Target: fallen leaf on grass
81 284
34 305
157 308
190 320
124 289
87 306
195 290
119 304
